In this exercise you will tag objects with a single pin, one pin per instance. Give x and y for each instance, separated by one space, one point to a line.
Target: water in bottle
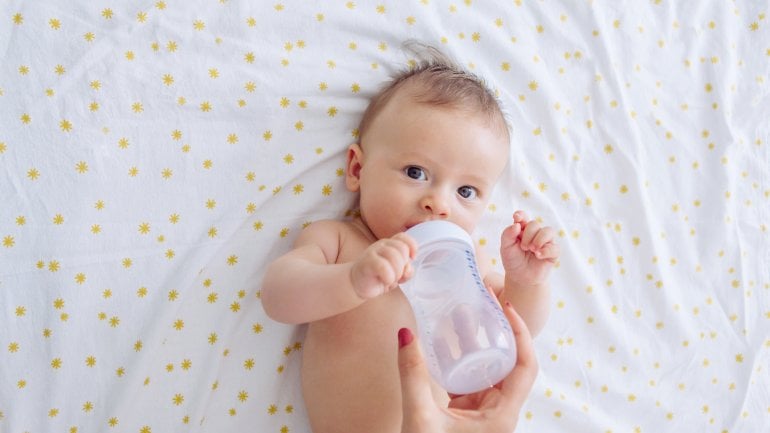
465 336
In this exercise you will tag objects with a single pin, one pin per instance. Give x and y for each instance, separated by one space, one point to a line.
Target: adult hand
493 410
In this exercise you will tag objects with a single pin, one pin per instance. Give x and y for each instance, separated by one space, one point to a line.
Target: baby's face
419 162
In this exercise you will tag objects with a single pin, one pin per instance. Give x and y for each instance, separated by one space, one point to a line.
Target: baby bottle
466 338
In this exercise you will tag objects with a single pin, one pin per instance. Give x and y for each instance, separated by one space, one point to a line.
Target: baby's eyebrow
478 181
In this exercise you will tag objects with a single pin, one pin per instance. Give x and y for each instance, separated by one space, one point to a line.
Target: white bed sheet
157 154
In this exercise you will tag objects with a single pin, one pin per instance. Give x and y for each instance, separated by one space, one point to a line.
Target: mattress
156 155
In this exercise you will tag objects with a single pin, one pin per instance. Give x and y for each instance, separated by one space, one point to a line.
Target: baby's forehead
419 93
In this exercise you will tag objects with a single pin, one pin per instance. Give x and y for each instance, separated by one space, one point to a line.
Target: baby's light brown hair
438 81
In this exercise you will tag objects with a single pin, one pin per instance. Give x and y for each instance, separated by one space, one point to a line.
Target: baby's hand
383 265
528 250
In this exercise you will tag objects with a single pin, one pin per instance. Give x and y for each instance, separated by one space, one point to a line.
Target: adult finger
416 397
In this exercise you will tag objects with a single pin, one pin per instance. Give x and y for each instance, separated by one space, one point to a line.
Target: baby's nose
436 204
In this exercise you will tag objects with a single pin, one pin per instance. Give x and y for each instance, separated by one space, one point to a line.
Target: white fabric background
155 155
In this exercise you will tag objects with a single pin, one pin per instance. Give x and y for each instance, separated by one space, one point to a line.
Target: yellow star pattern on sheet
156 158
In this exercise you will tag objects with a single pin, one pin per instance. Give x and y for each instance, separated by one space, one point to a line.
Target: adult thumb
416 396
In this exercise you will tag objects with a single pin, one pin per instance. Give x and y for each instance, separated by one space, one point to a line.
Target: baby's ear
353 167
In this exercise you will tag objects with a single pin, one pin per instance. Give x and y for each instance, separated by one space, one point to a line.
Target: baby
432 145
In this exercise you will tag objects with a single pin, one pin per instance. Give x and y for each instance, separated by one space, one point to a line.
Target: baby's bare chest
371 327
368 331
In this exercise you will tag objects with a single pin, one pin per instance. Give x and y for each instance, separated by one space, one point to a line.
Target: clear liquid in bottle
466 338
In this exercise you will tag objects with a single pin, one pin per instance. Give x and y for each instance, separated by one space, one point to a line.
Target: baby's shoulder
325 231
333 237
322 229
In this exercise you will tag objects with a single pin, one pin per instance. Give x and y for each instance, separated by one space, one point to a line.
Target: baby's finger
390 250
520 217
542 237
510 235
407 274
410 243
550 251
529 233
395 251
396 259
384 272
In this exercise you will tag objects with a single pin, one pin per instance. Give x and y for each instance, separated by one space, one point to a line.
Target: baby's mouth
424 219
408 226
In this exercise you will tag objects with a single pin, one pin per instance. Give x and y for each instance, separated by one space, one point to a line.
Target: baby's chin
384 234
380 230
387 231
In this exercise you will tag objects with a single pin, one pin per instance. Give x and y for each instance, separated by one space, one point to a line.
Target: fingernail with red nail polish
404 337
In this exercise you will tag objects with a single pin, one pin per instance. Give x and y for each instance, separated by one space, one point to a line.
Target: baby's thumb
416 394
510 235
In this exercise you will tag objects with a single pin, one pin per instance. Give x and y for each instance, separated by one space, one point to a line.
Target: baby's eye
415 172
467 192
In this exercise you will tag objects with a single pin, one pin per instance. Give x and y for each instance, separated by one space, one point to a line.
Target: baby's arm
532 303
308 283
528 252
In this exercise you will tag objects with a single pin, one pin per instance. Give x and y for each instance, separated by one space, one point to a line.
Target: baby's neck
360 224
